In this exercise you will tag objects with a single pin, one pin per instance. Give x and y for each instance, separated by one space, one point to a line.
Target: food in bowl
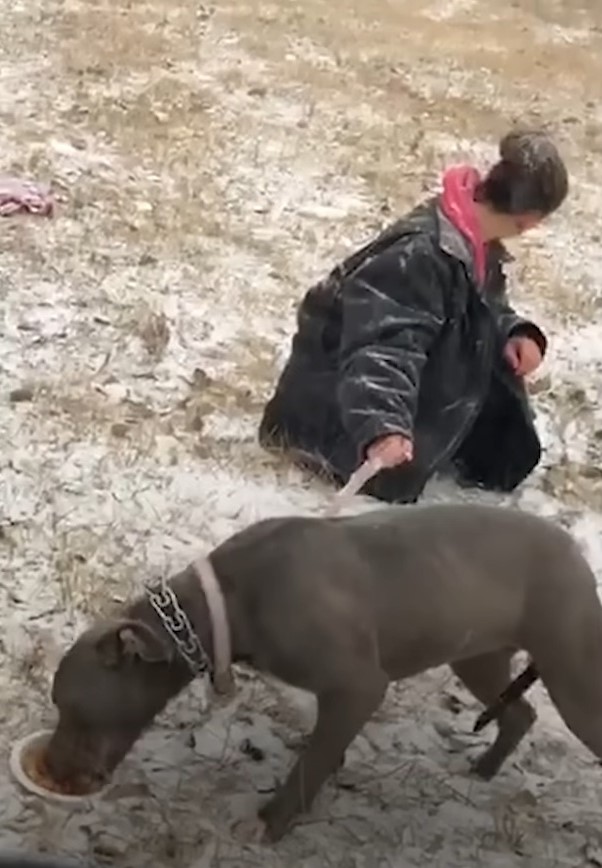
35 767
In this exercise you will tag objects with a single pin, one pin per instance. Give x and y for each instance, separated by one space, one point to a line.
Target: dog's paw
250 831
486 766
278 818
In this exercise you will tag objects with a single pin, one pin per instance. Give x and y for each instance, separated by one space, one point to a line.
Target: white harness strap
223 680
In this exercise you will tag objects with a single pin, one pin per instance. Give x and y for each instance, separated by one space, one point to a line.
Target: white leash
355 483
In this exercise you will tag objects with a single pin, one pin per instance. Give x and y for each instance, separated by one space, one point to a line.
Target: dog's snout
70 756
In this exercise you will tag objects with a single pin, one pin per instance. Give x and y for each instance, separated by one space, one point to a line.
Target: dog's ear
127 640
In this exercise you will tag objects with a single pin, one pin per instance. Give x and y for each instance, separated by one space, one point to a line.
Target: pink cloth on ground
18 196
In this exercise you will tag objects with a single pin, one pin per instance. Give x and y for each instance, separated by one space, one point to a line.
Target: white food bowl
20 748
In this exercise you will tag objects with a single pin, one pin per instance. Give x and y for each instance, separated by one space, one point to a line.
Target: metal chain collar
177 624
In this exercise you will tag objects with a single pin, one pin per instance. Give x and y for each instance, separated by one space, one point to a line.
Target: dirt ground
210 163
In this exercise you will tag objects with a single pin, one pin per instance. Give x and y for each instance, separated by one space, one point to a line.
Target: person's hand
392 450
523 355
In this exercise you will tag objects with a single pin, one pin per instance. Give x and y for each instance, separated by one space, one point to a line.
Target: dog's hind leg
580 706
342 712
573 678
486 677
565 643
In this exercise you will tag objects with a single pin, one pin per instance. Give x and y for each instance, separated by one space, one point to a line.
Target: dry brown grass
157 121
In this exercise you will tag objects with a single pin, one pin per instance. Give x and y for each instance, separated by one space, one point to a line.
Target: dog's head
108 688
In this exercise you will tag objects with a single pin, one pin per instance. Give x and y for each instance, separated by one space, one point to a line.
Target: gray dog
341 607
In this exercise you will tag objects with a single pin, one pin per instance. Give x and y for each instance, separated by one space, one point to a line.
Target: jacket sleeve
393 310
510 323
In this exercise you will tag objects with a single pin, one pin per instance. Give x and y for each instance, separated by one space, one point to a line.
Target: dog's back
434 583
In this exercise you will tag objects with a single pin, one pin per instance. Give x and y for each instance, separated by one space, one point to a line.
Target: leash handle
364 473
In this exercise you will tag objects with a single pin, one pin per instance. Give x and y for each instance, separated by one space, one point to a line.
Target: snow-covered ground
210 165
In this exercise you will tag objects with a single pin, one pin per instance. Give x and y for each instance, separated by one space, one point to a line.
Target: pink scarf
457 203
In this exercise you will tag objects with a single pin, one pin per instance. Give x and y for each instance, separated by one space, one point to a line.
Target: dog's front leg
341 715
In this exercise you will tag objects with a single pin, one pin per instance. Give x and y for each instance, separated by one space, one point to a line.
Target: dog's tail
513 692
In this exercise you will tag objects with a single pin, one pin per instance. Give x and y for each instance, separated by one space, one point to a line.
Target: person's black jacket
399 339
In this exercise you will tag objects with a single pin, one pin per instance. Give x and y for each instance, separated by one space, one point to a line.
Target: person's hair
530 176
